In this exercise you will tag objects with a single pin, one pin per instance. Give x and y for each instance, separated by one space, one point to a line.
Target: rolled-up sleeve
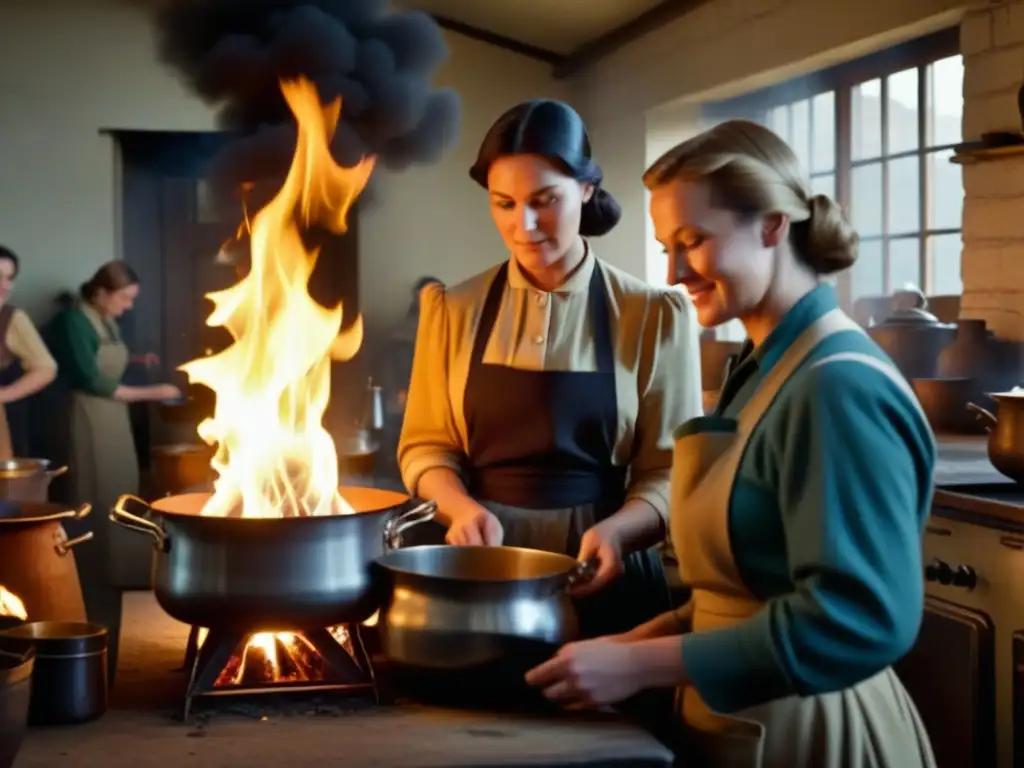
25 342
672 396
429 437
854 485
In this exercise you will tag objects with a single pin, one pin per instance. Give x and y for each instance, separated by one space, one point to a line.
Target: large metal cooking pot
459 608
287 573
27 479
912 336
36 559
1005 433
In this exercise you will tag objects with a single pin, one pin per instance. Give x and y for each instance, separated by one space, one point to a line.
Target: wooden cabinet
950 674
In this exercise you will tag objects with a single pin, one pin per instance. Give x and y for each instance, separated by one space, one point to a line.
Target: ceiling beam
500 41
659 16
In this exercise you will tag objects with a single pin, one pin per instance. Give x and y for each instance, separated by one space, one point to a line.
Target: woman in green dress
92 359
797 508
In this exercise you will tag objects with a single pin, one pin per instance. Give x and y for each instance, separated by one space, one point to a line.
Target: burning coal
235 53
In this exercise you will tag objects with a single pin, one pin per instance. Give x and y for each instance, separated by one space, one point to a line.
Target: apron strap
834 321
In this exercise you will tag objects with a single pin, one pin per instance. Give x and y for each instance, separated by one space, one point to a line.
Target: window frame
841 80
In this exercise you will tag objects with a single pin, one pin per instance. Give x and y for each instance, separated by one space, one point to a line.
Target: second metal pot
287 573
27 479
459 608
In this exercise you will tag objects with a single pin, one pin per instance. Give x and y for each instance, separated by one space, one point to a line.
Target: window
877 135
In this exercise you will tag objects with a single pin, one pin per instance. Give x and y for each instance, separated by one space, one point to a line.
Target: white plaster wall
74 67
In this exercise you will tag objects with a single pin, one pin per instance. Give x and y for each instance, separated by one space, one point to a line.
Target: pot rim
39 512
19 670
72 630
569 562
189 506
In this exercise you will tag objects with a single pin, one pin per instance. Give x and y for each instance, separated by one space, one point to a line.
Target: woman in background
93 359
26 365
798 507
544 390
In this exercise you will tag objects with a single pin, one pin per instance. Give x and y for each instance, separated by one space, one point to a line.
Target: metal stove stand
348 669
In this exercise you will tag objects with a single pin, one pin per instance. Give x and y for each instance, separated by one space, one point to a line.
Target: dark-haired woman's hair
552 130
112 276
11 256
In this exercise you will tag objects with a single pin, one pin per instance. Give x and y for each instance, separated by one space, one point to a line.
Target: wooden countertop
140 730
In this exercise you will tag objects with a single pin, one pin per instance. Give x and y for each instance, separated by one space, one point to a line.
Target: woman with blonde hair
797 507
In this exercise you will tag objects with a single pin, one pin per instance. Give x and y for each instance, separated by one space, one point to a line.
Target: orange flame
11 605
273 457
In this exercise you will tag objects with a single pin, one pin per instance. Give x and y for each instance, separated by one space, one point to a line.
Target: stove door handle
393 528
124 518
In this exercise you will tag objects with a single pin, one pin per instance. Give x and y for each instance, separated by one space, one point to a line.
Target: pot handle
983 414
62 544
581 573
52 473
394 527
124 518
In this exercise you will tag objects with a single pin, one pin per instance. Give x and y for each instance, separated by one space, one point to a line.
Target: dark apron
540 446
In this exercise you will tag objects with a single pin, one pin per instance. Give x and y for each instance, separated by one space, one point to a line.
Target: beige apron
873 724
103 462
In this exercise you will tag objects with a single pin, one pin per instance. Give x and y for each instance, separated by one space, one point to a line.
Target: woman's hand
474 527
590 673
603 544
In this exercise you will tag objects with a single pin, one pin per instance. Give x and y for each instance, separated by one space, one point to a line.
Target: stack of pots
37 560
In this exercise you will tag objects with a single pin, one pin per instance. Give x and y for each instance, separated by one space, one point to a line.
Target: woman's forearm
126 394
638 525
659 663
31 382
444 486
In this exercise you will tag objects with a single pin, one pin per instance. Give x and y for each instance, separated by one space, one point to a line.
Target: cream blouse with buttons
657 365
25 343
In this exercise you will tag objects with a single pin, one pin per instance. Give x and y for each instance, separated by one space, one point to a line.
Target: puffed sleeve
429 438
672 396
854 484
25 342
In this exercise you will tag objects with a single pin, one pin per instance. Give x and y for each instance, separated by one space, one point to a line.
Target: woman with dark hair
545 390
93 358
26 365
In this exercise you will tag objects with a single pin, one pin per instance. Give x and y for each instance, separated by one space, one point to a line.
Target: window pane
904 195
902 111
945 265
823 133
800 132
866 276
824 185
904 263
866 183
778 121
945 101
945 191
867 120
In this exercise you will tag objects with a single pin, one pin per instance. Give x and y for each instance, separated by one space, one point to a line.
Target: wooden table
140 730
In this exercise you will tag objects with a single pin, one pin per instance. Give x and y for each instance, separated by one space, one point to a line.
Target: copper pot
179 467
1005 433
37 562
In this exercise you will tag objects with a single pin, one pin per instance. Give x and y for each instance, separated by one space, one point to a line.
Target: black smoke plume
233 53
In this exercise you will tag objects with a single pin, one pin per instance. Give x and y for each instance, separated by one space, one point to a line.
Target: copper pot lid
30 512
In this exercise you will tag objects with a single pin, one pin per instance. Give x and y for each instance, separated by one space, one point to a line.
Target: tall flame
11 605
273 457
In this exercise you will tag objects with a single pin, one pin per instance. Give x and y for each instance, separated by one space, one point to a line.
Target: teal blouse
825 521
